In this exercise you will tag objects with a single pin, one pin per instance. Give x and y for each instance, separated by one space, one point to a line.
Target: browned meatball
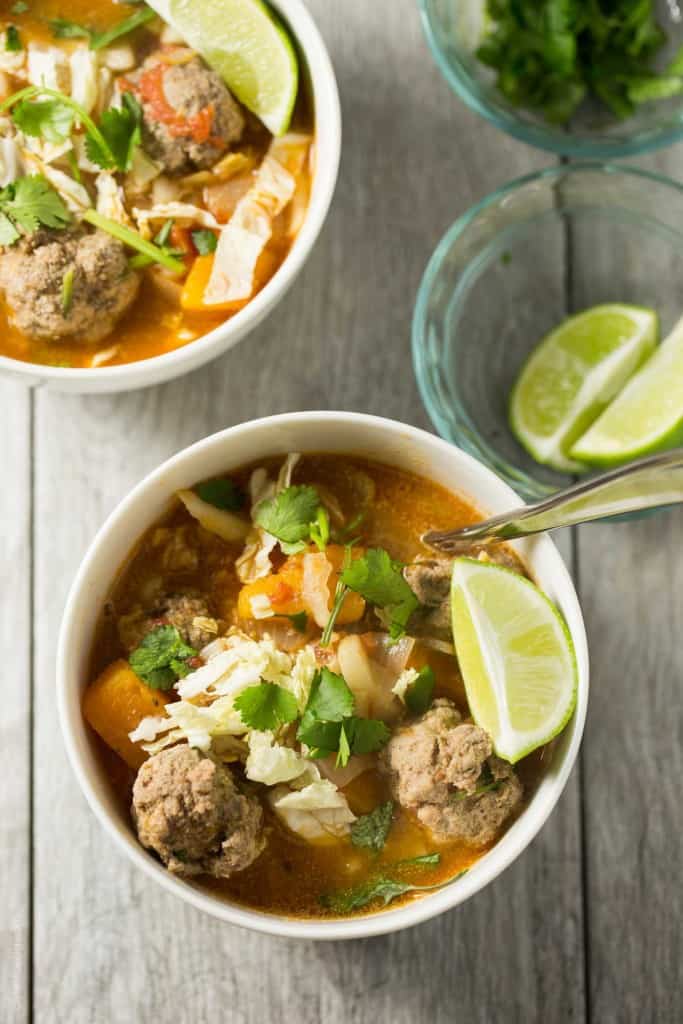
442 769
187 808
189 613
35 276
189 116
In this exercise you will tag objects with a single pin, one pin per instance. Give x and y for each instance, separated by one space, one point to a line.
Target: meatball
189 613
187 808
71 285
189 116
444 770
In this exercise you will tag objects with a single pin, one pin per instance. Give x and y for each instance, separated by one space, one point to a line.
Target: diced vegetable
116 703
217 520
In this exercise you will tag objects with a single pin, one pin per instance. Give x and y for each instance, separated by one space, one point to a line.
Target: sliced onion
355 666
215 520
341 777
315 588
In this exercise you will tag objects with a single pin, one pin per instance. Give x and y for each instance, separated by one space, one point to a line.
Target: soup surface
193 173
409 799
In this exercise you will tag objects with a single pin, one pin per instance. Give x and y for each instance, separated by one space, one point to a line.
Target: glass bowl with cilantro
273 701
594 78
540 307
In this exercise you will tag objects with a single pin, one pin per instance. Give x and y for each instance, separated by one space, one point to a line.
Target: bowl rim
569 144
327 143
422 366
69 689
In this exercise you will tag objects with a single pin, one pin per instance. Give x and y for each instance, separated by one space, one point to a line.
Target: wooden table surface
586 924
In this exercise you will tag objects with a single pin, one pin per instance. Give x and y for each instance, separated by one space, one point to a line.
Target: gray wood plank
631 586
15 726
112 947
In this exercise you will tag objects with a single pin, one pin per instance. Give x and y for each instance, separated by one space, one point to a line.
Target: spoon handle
648 483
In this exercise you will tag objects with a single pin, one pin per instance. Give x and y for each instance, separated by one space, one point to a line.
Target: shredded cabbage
84 73
406 679
11 166
271 763
48 66
181 213
318 811
110 199
254 562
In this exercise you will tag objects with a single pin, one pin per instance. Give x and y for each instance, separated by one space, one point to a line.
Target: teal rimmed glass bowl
512 268
453 29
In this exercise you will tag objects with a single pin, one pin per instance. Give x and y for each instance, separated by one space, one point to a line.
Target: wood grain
631 588
15 720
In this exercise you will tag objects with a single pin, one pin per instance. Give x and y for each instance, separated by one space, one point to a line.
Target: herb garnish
550 54
67 290
371 830
13 42
290 516
339 595
63 28
223 493
382 889
266 706
328 724
50 119
487 784
161 658
134 240
122 132
299 620
378 578
27 204
205 241
20 7
418 695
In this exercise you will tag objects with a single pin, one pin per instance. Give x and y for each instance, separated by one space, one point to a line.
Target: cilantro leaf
63 28
377 578
344 747
299 620
330 698
160 658
205 241
418 695
50 119
371 830
222 493
288 516
8 233
379 890
366 734
425 860
13 42
29 202
120 127
20 7
266 706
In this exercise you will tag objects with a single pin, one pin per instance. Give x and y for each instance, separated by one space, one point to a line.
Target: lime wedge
648 414
244 42
572 376
516 657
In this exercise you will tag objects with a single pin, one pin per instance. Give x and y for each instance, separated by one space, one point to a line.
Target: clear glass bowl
453 30
512 268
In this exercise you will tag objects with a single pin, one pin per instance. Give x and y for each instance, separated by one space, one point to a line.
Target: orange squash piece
284 588
115 704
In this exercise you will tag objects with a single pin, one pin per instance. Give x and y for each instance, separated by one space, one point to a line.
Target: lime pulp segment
516 656
572 376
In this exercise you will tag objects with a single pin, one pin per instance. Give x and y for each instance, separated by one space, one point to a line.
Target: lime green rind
573 374
561 720
245 43
647 417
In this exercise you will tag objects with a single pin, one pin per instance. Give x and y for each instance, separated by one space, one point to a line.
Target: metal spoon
647 483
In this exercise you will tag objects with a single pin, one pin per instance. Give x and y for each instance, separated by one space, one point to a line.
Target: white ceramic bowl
386 441
318 74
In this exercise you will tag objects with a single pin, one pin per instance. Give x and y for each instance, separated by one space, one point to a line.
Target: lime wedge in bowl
516 657
249 48
572 376
646 417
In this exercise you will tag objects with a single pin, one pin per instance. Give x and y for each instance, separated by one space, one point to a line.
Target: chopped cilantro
418 695
63 28
425 860
371 830
379 890
29 203
50 119
328 724
20 7
134 240
120 127
205 241
289 515
339 595
320 529
377 578
67 290
164 233
223 493
101 39
266 706
13 42
161 658
299 620
549 55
